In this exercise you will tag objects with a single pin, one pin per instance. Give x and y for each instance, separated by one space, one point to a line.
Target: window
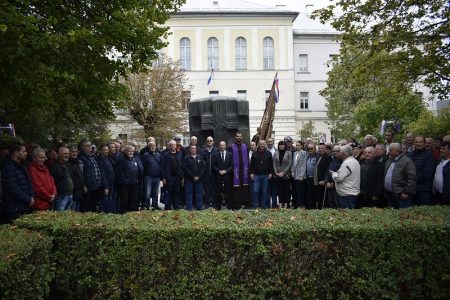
213 94
185 53
268 53
186 98
303 61
213 53
241 54
304 100
241 94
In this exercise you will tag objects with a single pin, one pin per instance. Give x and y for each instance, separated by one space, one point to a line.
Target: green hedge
278 254
25 266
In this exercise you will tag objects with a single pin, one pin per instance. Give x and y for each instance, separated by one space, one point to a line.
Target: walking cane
324 195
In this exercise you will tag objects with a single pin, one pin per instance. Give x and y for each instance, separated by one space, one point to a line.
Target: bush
25 266
279 254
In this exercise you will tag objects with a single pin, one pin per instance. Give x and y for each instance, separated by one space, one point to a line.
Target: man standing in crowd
223 167
172 175
425 167
335 164
282 165
261 170
128 171
43 184
151 161
209 179
409 141
77 177
18 195
241 193
311 162
107 202
347 178
369 140
253 147
319 175
371 187
299 175
193 142
273 192
399 178
147 148
92 178
62 174
442 177
194 169
380 154
179 146
389 139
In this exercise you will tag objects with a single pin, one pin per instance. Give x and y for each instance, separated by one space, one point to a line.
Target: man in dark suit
223 168
320 171
442 177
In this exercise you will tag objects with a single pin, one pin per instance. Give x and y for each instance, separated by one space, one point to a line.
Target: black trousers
310 193
90 201
128 195
223 188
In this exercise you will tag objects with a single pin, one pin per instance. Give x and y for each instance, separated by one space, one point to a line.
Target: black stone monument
219 117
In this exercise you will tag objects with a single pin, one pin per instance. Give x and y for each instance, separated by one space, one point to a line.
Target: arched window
268 53
241 54
185 53
213 53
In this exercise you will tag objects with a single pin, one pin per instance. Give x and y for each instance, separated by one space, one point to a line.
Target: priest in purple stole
241 191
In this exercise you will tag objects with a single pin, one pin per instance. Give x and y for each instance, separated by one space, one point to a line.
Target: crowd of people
117 178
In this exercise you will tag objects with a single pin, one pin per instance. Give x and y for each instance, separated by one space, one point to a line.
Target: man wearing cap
179 146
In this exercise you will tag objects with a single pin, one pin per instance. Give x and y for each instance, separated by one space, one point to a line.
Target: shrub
25 266
280 254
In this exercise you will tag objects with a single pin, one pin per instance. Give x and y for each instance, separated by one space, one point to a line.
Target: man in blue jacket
194 169
172 175
18 194
92 177
151 160
425 166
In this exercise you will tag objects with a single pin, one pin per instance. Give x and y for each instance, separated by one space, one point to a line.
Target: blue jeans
151 187
260 188
347 201
395 201
189 187
63 202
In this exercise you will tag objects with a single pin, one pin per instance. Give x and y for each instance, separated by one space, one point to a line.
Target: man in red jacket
43 185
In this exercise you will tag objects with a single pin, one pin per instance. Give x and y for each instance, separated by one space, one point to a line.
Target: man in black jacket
62 175
223 168
261 170
320 171
194 169
92 177
18 197
107 189
371 185
209 182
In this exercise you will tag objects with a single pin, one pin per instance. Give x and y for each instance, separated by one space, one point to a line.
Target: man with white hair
347 178
400 178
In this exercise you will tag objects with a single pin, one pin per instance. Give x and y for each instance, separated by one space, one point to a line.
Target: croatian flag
211 76
276 93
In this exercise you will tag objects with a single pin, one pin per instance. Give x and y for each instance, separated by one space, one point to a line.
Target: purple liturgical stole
236 164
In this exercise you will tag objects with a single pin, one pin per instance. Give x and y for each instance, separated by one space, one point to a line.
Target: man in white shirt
441 183
347 178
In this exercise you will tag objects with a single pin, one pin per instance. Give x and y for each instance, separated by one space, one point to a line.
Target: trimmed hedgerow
279 254
25 266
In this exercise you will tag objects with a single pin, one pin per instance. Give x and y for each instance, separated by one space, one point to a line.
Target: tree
308 130
158 98
416 31
59 64
431 125
359 99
